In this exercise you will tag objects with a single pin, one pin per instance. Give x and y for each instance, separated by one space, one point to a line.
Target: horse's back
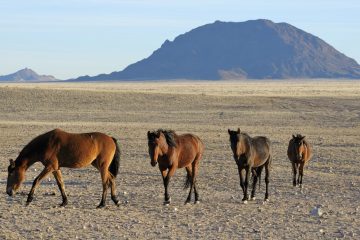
262 146
79 149
192 141
82 138
189 148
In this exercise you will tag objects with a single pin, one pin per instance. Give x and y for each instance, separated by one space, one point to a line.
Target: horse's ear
148 134
158 134
229 131
238 131
12 163
303 137
293 136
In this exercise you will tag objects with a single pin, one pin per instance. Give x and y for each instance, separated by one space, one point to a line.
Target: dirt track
328 113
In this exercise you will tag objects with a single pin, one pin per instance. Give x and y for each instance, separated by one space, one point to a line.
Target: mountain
26 75
256 49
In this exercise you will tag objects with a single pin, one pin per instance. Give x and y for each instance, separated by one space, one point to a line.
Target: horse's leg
189 177
196 194
170 173
166 182
195 173
267 178
60 183
113 191
301 172
254 185
298 178
247 177
36 182
294 173
105 183
240 169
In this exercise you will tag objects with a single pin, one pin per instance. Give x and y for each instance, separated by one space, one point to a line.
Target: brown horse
174 151
299 153
56 149
251 155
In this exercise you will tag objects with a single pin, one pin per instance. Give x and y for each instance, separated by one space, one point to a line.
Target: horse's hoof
187 202
253 198
197 202
300 185
266 201
245 202
100 206
29 200
115 200
167 202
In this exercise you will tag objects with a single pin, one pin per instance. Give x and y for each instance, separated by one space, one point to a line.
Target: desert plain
326 112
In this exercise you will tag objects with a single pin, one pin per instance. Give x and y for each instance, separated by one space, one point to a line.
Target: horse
299 153
174 151
56 149
251 155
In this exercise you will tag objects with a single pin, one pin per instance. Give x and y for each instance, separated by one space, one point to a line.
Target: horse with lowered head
172 151
299 153
251 155
56 149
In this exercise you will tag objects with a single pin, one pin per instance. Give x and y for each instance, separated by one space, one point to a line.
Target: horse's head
236 143
299 146
155 141
16 176
159 142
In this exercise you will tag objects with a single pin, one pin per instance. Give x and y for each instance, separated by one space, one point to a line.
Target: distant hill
256 49
26 75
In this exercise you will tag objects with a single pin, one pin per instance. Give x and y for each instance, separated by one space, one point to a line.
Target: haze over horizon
68 39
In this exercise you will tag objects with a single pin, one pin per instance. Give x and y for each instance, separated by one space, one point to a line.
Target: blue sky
87 37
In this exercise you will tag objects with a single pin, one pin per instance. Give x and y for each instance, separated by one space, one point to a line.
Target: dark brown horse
56 149
251 155
299 153
174 151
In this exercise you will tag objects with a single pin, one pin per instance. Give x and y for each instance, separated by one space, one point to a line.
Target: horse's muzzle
153 163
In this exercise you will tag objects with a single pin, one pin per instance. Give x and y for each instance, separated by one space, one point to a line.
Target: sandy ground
327 112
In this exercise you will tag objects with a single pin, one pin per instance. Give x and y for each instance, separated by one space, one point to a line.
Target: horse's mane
169 136
298 137
247 139
37 145
245 134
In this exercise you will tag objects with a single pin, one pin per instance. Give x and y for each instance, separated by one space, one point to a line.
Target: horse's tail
115 163
187 181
